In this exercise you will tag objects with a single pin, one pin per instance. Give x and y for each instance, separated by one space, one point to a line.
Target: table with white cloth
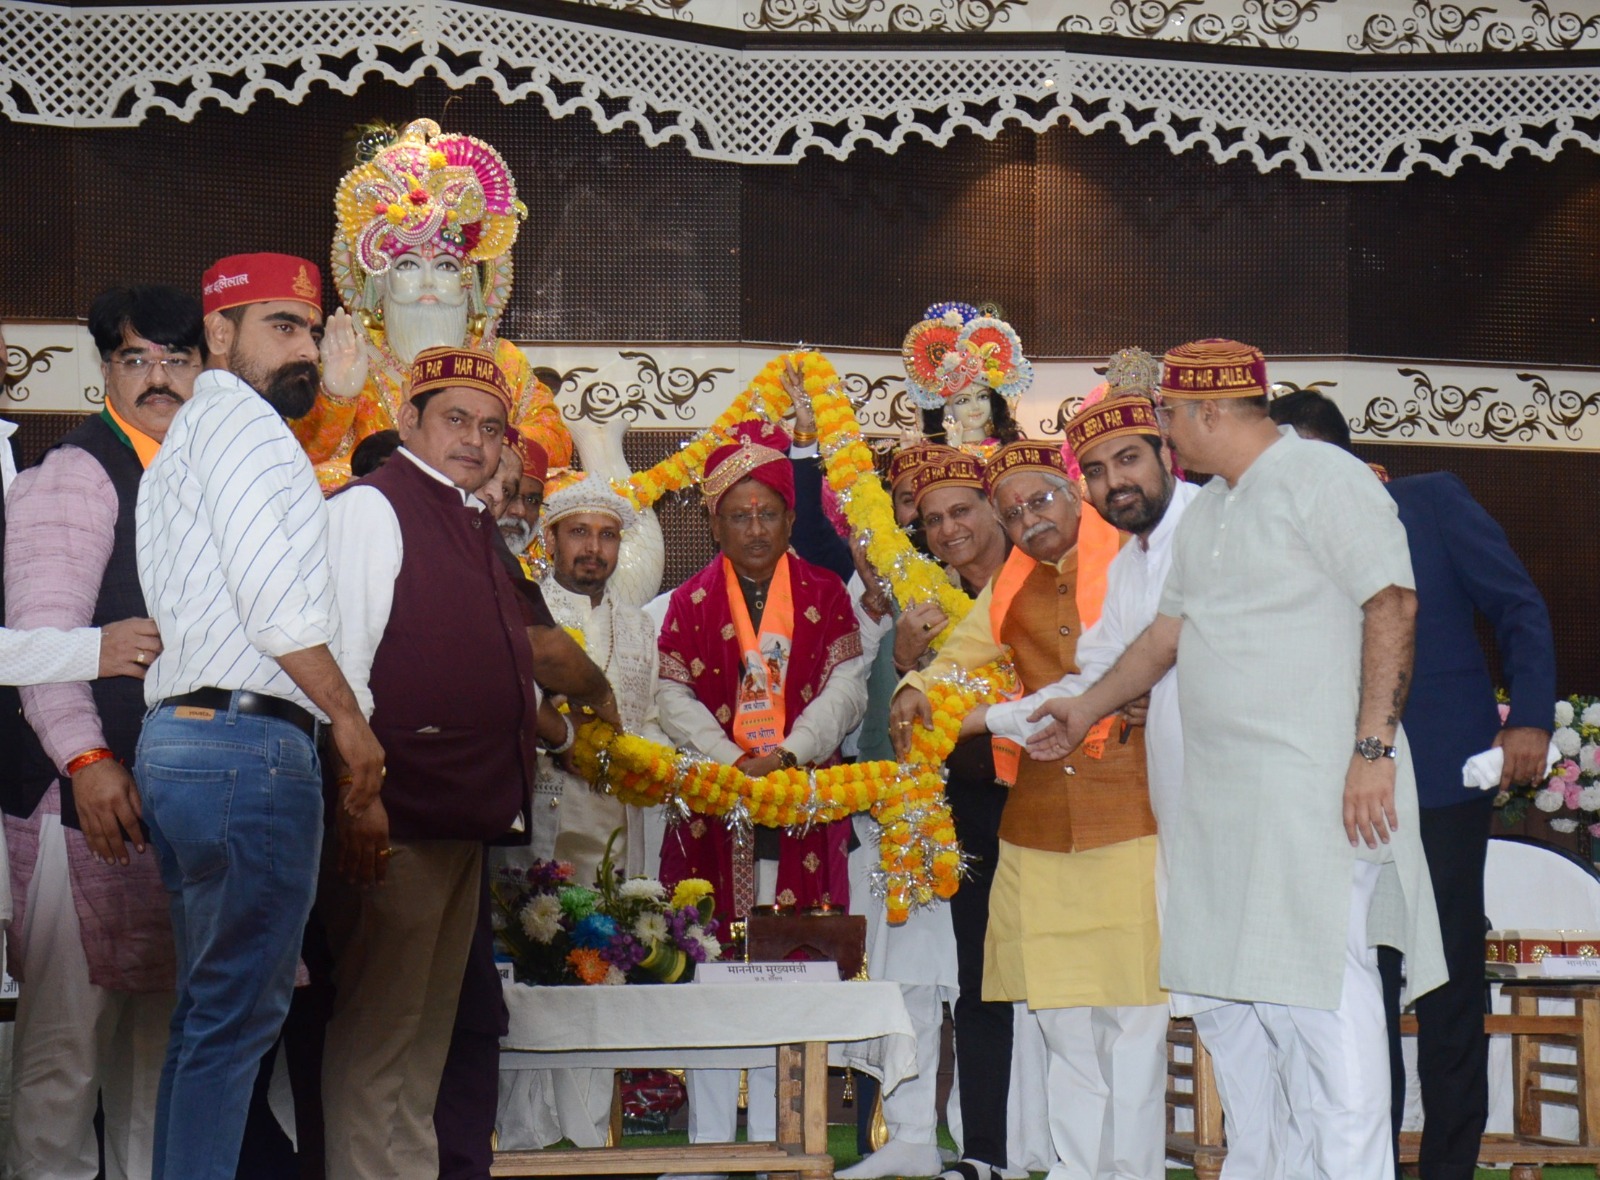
710 1026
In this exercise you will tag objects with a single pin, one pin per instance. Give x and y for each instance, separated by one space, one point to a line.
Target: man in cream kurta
1292 854
1125 466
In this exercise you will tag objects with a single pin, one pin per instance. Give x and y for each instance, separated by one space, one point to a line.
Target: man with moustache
233 562
1127 470
520 524
584 523
422 259
435 636
753 607
92 938
1073 927
1295 849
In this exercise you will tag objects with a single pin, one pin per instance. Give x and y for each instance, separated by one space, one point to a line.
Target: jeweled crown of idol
424 188
955 347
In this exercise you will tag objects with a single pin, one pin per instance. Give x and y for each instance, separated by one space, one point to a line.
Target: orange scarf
1098 542
759 724
143 445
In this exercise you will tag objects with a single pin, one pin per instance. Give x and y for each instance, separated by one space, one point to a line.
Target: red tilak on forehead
754 505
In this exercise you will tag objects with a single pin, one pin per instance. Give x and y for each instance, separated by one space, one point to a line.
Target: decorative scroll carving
653 389
21 363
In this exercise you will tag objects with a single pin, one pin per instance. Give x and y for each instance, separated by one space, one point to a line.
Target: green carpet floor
842 1146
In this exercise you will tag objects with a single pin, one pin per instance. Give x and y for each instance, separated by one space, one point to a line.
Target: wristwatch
786 759
1372 748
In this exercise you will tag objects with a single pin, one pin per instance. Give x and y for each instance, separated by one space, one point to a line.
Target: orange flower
588 965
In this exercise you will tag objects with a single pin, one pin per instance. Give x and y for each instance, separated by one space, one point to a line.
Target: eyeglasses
1035 504
742 521
144 366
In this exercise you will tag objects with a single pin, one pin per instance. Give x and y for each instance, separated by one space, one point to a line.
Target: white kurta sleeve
49 656
687 722
834 712
365 552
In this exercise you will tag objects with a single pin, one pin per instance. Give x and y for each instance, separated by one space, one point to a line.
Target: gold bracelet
802 438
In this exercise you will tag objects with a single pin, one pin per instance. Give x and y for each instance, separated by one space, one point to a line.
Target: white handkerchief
1483 770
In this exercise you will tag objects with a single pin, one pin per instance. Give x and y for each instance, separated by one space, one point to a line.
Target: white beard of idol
518 534
415 326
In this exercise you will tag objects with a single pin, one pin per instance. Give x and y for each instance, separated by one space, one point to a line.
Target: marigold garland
918 854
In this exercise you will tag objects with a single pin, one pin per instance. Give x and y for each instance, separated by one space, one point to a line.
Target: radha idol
965 371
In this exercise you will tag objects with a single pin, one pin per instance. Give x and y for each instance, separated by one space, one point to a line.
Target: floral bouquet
1571 795
618 931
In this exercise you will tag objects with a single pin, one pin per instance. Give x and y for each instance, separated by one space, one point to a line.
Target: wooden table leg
814 1098
1526 1115
614 1138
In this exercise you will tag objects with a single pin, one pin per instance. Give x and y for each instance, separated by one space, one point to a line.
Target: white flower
1567 741
1548 800
1564 825
614 976
1563 712
650 929
1591 715
641 888
708 943
541 918
1587 758
1589 798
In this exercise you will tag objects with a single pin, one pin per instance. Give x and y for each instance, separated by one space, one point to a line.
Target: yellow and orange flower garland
919 857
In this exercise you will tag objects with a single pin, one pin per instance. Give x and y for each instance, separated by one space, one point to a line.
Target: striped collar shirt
233 548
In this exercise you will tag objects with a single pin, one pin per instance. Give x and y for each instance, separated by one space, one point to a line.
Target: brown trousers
399 952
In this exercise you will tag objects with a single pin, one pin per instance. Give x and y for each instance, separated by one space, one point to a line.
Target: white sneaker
896 1158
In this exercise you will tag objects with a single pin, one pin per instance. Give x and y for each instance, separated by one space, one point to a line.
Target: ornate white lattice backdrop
685 386
115 66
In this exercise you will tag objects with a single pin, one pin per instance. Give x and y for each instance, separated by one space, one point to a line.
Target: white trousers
1336 1064
910 1110
1107 1091
78 1045
714 1105
1251 1086
714 1093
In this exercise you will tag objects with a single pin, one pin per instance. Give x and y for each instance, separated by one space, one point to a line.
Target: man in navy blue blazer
1463 565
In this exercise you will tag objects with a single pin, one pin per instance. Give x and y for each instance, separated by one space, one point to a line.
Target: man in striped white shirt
232 557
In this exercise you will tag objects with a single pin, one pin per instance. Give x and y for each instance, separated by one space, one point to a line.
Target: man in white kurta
584 523
1288 611
1126 469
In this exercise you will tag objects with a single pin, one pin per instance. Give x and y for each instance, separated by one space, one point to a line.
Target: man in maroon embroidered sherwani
92 942
761 667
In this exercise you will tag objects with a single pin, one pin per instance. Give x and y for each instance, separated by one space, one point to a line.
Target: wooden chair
1192 1086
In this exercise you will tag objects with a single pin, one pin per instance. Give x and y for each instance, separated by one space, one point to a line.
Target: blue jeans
234 806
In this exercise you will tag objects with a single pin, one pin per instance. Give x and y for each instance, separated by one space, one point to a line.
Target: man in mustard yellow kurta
1073 928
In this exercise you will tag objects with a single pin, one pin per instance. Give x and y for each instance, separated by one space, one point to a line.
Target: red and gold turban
759 451
946 467
1115 417
1213 369
907 459
1022 455
535 459
260 278
458 368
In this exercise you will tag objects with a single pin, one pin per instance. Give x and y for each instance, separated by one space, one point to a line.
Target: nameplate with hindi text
795 971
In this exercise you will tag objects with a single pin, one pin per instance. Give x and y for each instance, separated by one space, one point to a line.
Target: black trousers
1452 1050
983 1031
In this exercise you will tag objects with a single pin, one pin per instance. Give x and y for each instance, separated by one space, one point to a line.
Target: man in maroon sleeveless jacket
92 940
436 641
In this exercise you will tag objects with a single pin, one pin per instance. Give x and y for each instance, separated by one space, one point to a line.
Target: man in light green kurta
1289 612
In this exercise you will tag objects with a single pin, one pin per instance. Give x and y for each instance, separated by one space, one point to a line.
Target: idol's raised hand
344 360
